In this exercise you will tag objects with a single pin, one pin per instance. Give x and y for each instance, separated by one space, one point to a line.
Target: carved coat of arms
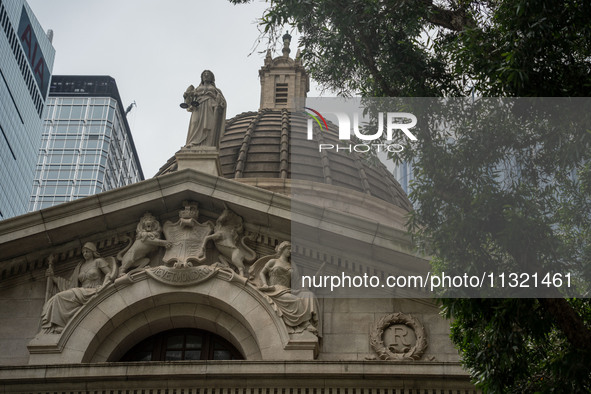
187 236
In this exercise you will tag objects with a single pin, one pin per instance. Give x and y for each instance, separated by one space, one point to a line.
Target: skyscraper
86 146
26 61
403 174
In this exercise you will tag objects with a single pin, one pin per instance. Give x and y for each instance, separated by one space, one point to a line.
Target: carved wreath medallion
400 323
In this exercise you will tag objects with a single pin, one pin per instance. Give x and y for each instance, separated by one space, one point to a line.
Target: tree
538 216
501 198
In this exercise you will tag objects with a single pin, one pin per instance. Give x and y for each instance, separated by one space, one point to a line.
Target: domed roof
264 147
272 143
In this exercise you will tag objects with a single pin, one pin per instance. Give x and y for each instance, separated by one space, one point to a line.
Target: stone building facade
184 283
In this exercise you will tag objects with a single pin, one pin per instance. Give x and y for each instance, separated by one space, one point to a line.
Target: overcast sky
155 49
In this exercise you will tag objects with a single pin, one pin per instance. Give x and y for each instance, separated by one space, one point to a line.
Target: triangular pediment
72 224
25 241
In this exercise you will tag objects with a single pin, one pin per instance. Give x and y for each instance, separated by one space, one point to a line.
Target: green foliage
373 48
500 196
512 345
421 48
488 195
527 48
501 187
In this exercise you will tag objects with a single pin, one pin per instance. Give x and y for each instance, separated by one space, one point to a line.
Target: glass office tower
403 174
86 147
26 61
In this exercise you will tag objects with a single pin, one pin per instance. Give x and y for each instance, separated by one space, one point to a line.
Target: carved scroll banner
182 276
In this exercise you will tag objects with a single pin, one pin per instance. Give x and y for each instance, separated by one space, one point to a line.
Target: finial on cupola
286 42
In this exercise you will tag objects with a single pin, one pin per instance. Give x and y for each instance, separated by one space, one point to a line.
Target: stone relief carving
398 337
187 237
229 241
208 112
182 277
147 240
298 308
91 275
183 264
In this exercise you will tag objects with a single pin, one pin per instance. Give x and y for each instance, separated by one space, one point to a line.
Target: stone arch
185 310
128 312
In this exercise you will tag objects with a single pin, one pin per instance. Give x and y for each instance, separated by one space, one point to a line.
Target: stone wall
236 377
20 311
348 324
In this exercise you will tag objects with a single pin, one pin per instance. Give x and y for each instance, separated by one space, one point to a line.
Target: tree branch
367 58
569 322
453 20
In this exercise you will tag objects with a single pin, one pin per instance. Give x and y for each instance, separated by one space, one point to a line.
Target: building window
183 344
281 94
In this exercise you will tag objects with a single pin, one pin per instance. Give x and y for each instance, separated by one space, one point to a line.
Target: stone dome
269 148
264 144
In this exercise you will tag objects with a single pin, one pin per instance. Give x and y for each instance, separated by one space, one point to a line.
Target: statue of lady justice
208 112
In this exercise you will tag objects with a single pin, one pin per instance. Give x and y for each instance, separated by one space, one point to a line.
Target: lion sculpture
147 239
228 240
